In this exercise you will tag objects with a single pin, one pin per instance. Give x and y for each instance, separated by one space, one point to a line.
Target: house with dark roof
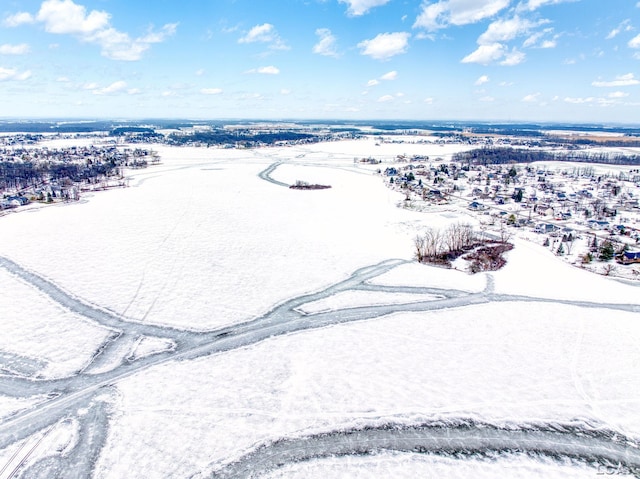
629 257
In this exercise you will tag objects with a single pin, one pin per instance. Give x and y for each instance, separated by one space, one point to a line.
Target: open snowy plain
208 321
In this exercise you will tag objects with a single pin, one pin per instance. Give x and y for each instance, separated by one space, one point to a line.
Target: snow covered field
205 311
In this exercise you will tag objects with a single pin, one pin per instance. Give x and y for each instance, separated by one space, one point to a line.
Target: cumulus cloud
360 7
18 19
492 45
485 54
385 45
211 91
531 98
579 101
532 5
20 49
621 80
115 87
514 57
11 74
265 33
392 75
625 26
482 80
443 13
326 43
634 42
64 17
506 30
385 98
428 101
373 82
268 70
618 94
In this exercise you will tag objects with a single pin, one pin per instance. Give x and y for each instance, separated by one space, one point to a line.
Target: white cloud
506 83
134 91
579 101
457 12
549 44
265 33
360 7
532 5
505 30
487 99
8 49
531 98
617 94
385 98
285 91
482 80
268 70
18 19
514 57
200 72
621 80
372 82
11 74
65 17
535 40
392 75
634 42
115 87
211 91
625 26
485 54
63 79
385 45
428 101
260 33
90 86
326 44
491 44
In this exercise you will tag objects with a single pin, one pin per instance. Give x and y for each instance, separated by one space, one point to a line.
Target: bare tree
433 242
419 243
608 268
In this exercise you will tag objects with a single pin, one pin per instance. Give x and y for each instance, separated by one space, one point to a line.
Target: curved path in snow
597 449
71 393
266 175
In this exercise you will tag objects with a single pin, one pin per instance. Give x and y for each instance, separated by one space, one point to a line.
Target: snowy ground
180 324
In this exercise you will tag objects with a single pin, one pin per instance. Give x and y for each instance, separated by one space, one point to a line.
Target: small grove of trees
443 246
439 246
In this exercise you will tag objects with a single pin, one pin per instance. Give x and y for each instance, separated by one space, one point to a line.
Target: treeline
498 156
19 175
225 137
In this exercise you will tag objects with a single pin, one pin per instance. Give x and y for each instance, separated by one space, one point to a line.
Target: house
629 257
545 228
475 206
17 200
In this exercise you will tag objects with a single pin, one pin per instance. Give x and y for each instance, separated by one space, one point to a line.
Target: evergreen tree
560 250
606 251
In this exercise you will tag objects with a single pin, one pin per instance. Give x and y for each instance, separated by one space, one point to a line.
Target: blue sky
507 60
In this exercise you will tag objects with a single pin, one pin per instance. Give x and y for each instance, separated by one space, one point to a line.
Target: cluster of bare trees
436 245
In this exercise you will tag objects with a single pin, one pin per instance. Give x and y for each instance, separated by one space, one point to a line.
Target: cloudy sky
540 60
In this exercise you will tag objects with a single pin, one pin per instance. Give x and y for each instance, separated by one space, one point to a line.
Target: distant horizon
361 121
